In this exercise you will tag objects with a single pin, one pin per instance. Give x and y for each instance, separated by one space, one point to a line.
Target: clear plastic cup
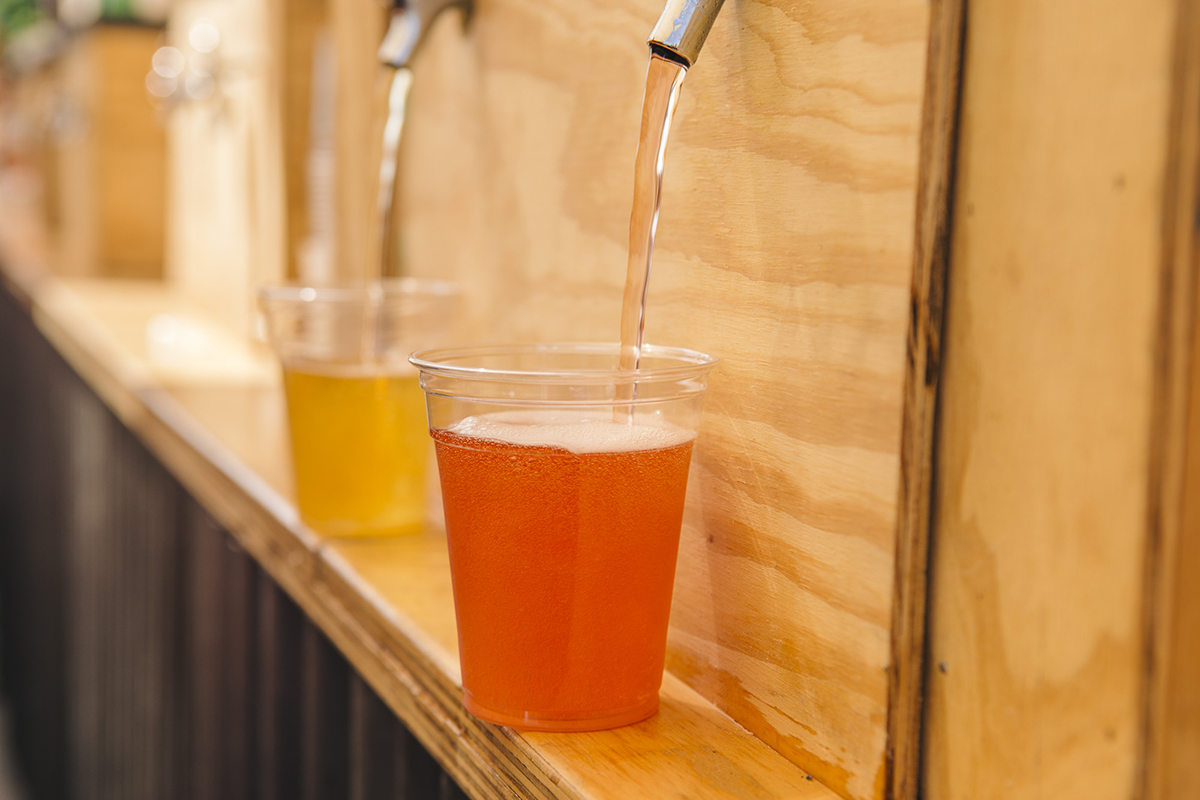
563 483
355 410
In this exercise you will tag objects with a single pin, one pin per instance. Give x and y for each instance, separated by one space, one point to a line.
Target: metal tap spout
411 21
682 29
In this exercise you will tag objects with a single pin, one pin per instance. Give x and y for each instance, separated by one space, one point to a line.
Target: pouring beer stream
562 523
675 45
410 22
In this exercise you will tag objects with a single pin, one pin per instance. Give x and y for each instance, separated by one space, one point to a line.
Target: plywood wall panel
785 247
1052 324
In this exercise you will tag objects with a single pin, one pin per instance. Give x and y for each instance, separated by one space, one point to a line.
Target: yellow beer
360 445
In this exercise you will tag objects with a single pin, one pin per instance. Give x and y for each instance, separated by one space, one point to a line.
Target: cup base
531 722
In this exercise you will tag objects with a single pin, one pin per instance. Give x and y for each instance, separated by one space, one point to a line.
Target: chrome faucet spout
682 29
411 21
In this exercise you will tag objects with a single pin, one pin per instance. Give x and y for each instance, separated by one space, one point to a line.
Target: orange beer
563 539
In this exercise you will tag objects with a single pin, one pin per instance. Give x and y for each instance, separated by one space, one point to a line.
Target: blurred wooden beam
939 132
297 25
227 224
358 27
1172 758
111 162
1059 457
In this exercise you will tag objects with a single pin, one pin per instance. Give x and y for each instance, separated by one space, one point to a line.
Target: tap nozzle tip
411 20
683 27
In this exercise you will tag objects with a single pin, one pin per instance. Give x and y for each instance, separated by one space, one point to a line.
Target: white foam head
578 433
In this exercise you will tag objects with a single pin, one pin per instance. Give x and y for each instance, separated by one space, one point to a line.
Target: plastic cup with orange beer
563 482
355 410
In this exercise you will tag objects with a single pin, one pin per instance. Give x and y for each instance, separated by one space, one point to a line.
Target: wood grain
1171 760
930 255
387 605
1049 370
785 246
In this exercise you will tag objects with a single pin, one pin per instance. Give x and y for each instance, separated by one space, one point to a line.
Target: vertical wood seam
939 125
1174 361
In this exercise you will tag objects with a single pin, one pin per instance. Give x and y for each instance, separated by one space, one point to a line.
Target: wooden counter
1033 468
218 426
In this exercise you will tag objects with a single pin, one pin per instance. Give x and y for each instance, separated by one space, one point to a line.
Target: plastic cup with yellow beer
356 414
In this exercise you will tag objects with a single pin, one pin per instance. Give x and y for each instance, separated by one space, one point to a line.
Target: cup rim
356 291
437 361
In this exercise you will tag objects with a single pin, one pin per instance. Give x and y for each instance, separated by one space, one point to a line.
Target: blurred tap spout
411 21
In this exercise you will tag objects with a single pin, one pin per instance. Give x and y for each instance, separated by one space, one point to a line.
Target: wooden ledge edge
691 749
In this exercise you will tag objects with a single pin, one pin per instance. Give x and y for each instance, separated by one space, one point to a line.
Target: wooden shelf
216 421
